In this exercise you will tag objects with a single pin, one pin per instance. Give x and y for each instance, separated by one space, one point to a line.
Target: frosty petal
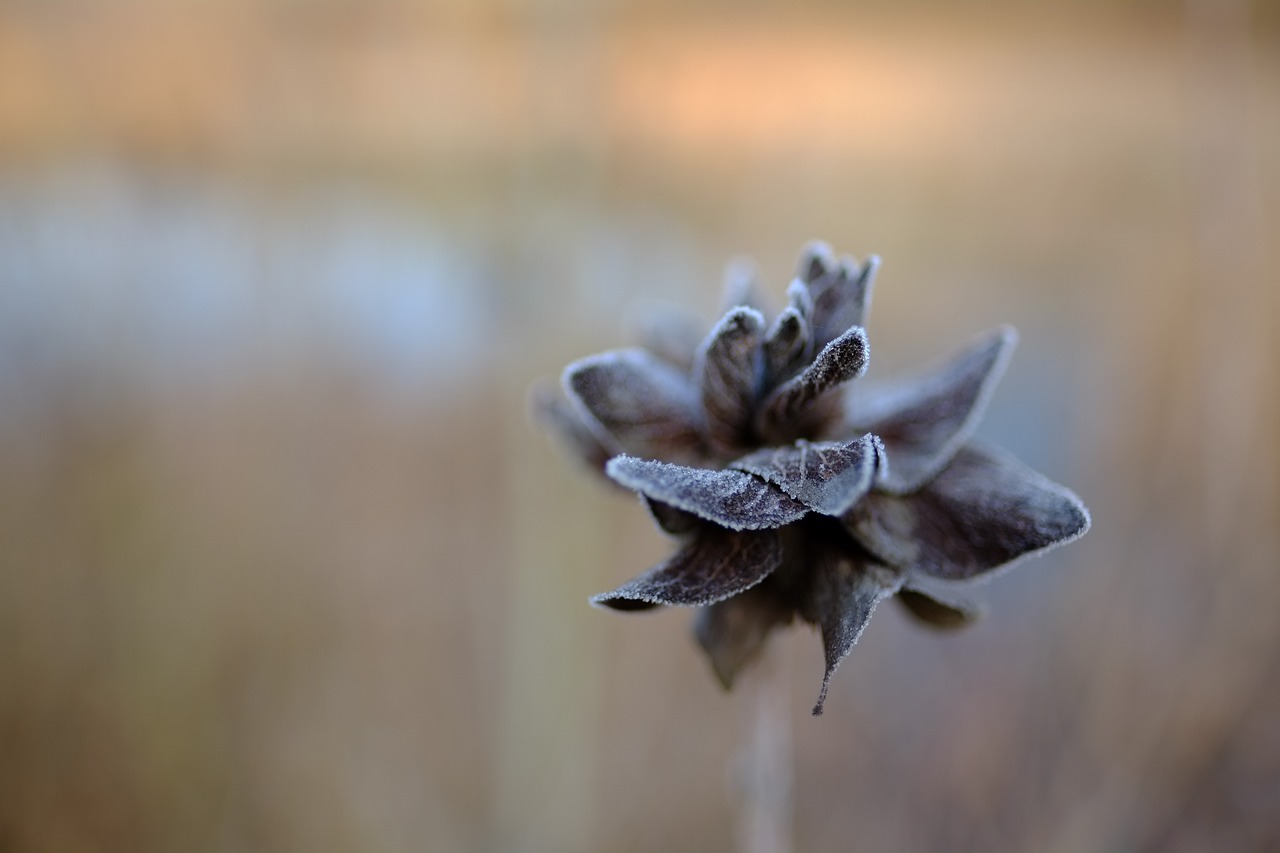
841 360
728 374
733 632
828 476
790 338
728 498
569 427
922 422
843 304
642 404
840 601
982 511
716 565
935 612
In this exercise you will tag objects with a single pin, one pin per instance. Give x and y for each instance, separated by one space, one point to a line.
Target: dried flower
789 498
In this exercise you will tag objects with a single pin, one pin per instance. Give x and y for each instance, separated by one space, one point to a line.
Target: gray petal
984 510
728 373
733 632
935 612
828 476
567 424
728 498
641 404
841 360
925 420
840 600
716 565
788 344
843 302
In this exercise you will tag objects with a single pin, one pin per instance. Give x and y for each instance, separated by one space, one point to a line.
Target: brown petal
728 498
982 511
641 404
935 612
716 565
843 593
841 360
728 375
827 476
924 421
733 632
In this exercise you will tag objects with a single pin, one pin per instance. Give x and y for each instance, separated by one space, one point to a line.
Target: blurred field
283 565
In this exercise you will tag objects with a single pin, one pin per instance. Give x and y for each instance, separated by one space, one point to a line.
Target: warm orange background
283 566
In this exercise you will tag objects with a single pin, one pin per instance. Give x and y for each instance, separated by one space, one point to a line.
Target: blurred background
285 566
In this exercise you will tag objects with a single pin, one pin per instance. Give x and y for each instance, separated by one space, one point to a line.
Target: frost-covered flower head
788 497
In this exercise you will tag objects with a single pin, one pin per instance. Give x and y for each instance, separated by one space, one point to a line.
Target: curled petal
924 421
984 510
569 427
841 360
935 612
843 303
828 476
840 600
728 498
733 632
718 564
638 403
728 374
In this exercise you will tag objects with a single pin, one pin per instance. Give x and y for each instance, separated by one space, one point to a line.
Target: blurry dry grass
285 611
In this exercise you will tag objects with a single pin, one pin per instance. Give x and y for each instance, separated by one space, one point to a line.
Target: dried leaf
644 405
841 360
733 632
841 598
728 371
728 498
716 565
935 612
828 476
925 420
981 512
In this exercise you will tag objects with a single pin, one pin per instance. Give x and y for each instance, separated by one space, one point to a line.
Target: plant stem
764 763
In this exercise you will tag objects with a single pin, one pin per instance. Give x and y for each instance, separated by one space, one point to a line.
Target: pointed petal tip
822 697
